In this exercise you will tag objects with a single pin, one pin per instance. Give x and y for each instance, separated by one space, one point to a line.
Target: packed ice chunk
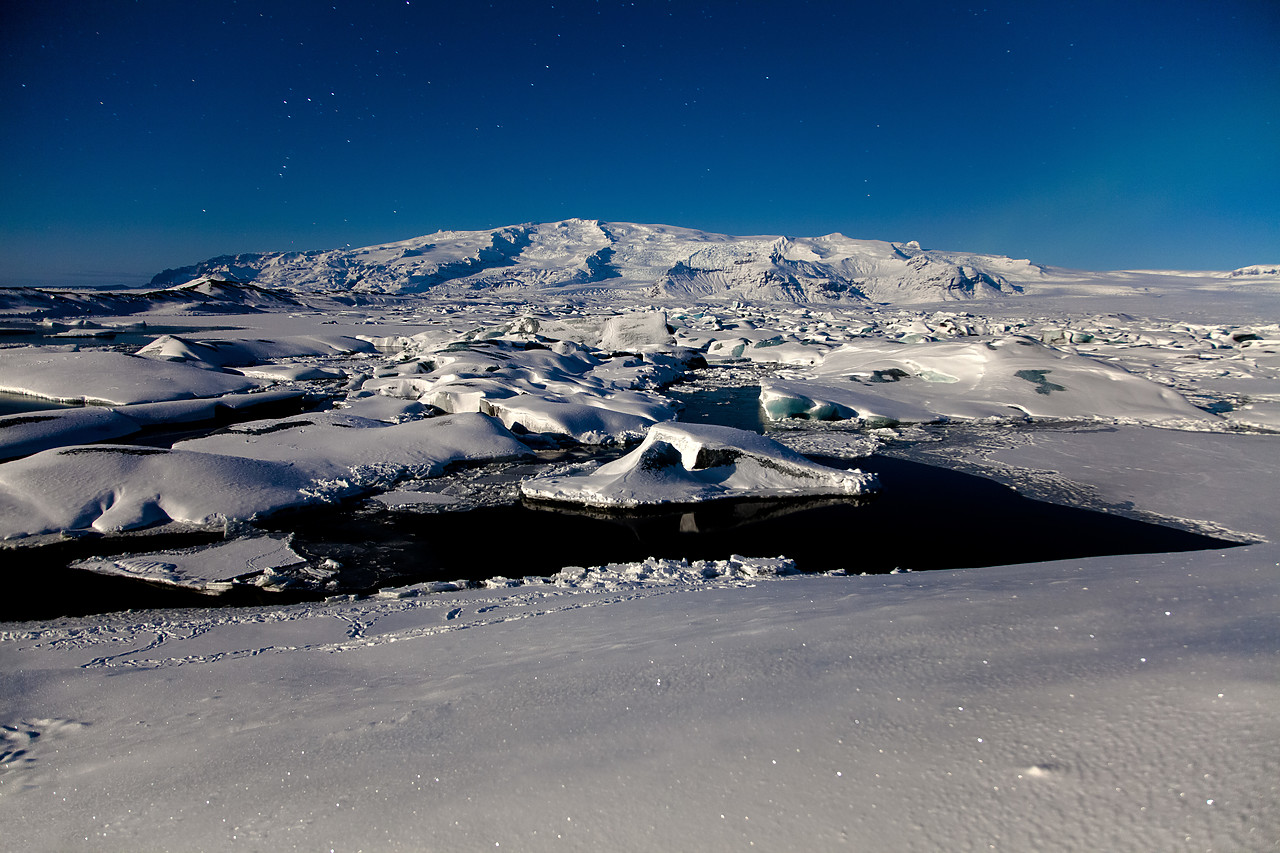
689 463
636 331
654 572
727 349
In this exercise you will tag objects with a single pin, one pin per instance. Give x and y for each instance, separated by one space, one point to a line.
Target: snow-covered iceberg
689 463
254 470
217 354
24 434
111 378
107 488
565 391
1000 379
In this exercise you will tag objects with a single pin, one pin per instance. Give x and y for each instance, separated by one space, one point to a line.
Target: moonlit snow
1107 703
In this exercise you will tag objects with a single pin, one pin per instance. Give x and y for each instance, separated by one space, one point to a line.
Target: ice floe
24 434
261 561
689 463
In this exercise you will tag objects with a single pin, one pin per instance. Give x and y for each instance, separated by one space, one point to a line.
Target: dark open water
924 518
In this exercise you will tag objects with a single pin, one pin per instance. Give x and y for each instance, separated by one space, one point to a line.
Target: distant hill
579 256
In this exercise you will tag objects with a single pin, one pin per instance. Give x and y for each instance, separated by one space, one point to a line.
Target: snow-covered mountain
579 255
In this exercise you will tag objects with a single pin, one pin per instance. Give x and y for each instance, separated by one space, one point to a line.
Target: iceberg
1000 379
110 378
109 488
565 391
691 463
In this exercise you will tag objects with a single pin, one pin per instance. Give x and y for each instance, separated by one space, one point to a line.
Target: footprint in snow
17 741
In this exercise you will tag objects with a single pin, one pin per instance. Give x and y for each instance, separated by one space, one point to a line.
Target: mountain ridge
578 256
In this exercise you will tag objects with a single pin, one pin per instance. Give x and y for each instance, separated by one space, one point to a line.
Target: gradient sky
1097 135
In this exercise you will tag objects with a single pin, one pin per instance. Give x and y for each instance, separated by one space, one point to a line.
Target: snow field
1109 703
1127 703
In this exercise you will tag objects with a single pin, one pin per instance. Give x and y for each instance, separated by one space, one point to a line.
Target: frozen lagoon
429 534
1114 702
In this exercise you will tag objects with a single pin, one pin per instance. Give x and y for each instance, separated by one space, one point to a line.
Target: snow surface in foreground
1123 703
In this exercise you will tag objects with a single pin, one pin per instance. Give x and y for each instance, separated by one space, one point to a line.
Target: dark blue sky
150 134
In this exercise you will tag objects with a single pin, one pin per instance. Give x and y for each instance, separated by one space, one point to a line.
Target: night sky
1097 135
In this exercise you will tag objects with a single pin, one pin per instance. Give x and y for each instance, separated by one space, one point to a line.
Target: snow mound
690 463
